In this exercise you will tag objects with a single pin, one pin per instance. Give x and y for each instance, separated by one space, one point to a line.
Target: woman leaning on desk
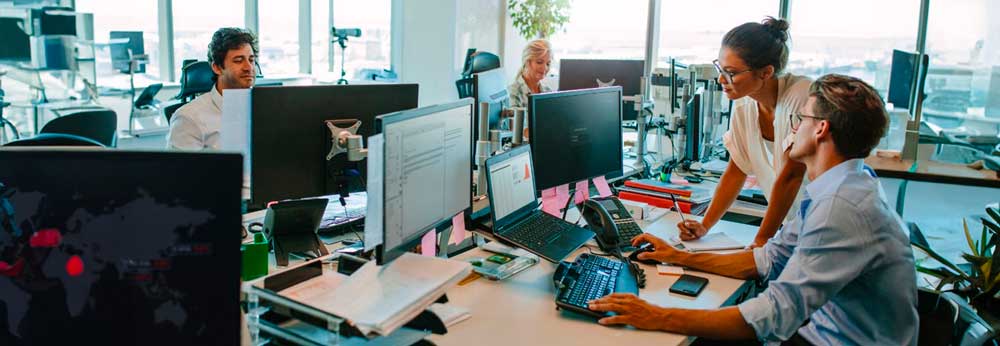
751 61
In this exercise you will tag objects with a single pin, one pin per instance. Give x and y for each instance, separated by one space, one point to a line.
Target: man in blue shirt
840 273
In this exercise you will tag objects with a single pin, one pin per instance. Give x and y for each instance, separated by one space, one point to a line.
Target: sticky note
603 189
457 229
550 202
428 245
582 191
562 194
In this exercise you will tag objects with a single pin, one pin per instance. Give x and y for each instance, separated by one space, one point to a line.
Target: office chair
196 79
97 125
475 62
55 140
938 316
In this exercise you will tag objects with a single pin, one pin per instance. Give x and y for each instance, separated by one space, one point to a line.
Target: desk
521 310
933 172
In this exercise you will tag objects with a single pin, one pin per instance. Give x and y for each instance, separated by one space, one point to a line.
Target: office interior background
425 42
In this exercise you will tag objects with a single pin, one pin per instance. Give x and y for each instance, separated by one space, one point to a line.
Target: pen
677 207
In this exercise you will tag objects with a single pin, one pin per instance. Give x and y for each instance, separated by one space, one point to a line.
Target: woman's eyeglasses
726 74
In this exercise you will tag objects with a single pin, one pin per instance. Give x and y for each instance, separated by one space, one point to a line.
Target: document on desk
235 131
714 241
373 217
381 299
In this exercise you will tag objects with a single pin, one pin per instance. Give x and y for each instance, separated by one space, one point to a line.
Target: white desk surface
521 310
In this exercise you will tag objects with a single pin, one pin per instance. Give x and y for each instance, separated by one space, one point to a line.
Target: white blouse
747 147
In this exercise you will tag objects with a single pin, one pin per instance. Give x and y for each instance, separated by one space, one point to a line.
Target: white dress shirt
747 147
196 125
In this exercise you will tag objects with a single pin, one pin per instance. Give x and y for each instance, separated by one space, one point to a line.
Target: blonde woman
535 62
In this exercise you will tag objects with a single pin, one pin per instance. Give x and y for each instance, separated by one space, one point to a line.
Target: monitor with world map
110 247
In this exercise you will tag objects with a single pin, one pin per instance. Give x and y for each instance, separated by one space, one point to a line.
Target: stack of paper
713 241
383 299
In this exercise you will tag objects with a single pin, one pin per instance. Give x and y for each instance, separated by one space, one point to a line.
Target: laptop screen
512 184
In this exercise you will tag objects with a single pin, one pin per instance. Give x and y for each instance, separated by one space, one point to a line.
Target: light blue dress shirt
844 263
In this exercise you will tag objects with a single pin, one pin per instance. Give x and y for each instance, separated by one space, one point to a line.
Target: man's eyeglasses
795 119
726 74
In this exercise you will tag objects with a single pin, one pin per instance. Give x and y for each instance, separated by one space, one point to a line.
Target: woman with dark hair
751 65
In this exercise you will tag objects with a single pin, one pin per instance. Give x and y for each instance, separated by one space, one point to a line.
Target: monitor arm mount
345 140
644 107
344 134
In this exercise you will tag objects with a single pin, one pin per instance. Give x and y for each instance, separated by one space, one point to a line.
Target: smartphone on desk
689 285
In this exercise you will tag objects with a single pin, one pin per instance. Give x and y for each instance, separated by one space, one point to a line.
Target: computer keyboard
588 278
537 230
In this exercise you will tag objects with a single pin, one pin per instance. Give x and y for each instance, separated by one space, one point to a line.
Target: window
599 31
371 50
695 39
279 37
837 37
194 23
963 80
122 15
321 45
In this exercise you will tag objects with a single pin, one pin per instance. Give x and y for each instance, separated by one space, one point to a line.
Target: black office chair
196 79
475 62
55 140
938 317
98 125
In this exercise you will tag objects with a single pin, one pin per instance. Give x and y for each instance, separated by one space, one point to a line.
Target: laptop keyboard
538 230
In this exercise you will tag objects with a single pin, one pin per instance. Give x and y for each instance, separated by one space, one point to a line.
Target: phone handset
602 224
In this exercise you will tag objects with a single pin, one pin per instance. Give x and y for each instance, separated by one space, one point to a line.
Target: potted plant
538 18
979 282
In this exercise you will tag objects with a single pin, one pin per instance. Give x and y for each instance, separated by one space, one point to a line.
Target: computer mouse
645 247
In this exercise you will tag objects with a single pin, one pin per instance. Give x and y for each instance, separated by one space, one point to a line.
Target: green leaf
995 214
940 259
992 226
939 273
968 238
947 281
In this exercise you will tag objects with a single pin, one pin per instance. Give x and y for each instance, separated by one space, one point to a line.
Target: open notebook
713 241
381 299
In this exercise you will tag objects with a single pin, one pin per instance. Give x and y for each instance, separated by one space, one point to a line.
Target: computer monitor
575 135
16 47
489 87
904 66
693 128
428 172
289 138
122 53
575 74
101 247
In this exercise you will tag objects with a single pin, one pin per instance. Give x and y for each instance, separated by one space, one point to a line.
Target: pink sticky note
603 189
677 180
562 194
582 191
457 229
428 246
550 202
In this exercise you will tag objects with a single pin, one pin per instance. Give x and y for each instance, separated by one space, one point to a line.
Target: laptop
510 181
